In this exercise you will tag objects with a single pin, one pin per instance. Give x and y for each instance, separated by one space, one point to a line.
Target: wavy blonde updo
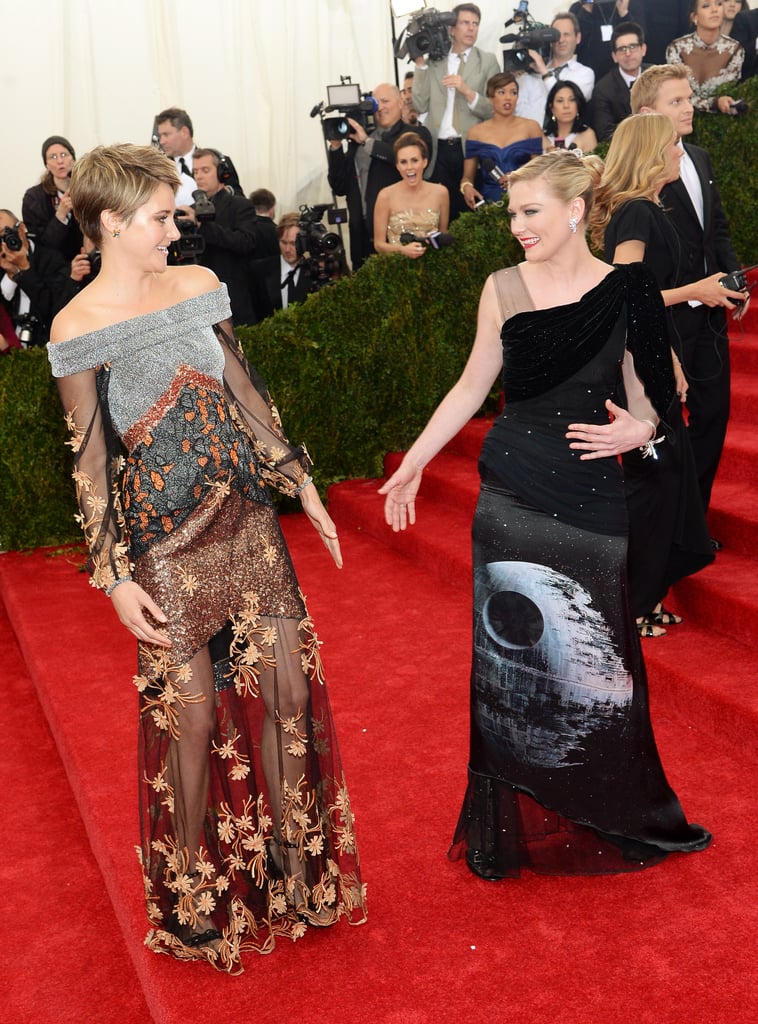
567 175
117 178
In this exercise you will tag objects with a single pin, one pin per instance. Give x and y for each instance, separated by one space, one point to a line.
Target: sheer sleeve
647 340
98 464
285 466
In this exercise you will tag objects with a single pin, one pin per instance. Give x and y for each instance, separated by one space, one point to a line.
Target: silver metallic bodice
145 352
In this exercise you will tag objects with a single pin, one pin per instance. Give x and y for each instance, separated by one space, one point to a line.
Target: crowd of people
138 261
476 124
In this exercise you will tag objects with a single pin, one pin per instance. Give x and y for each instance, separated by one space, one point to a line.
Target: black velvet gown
564 774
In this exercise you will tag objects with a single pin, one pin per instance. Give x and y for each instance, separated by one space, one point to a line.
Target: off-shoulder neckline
220 290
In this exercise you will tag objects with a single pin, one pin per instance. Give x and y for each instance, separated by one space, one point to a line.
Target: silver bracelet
300 487
124 579
648 448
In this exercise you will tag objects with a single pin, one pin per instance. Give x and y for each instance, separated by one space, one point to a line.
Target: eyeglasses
630 48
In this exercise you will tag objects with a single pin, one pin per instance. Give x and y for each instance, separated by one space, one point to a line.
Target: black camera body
427 32
533 38
190 243
27 324
320 250
11 239
529 36
203 208
345 101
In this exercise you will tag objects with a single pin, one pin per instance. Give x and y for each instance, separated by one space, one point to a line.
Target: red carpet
672 944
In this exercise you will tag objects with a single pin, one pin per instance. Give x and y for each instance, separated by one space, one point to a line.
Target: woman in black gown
564 775
668 534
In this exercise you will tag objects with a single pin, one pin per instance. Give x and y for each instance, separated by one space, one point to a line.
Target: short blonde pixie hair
117 178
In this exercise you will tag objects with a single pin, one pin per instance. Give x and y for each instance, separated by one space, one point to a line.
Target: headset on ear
224 168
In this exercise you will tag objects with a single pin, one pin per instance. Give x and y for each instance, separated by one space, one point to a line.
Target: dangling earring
572 225
117 233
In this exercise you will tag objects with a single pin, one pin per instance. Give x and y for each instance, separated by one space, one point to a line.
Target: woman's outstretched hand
321 522
400 502
604 440
131 602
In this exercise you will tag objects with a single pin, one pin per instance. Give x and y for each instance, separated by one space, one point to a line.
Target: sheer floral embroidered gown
247 829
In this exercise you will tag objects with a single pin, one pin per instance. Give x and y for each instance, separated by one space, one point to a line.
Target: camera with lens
427 32
529 36
345 101
27 324
203 208
95 260
11 238
320 250
190 243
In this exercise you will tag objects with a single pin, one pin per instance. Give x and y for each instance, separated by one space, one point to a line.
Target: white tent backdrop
247 71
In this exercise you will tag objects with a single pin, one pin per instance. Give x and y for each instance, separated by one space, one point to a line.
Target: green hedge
357 369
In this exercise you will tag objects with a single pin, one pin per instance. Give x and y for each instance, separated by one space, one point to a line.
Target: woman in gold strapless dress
412 206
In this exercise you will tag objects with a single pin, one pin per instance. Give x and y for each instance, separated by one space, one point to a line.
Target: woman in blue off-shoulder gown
499 145
247 829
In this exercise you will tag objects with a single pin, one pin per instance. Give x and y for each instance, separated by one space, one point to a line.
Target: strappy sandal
661 616
649 629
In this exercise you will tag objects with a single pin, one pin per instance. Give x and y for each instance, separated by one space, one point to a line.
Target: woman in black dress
669 536
564 775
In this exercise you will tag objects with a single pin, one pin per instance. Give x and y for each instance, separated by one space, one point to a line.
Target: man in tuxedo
35 281
745 31
173 131
452 92
693 206
279 281
610 102
367 166
232 234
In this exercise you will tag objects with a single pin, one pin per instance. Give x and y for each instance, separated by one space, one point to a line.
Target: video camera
319 250
190 243
427 32
348 100
530 36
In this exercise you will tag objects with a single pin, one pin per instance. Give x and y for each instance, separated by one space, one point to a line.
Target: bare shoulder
79 316
190 281
535 132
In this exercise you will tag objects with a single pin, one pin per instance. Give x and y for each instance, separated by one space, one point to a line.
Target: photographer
35 283
46 208
368 165
452 94
562 66
228 225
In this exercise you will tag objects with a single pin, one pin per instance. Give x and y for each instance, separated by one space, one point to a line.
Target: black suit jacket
704 249
38 213
48 284
745 31
610 104
266 285
230 241
343 181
